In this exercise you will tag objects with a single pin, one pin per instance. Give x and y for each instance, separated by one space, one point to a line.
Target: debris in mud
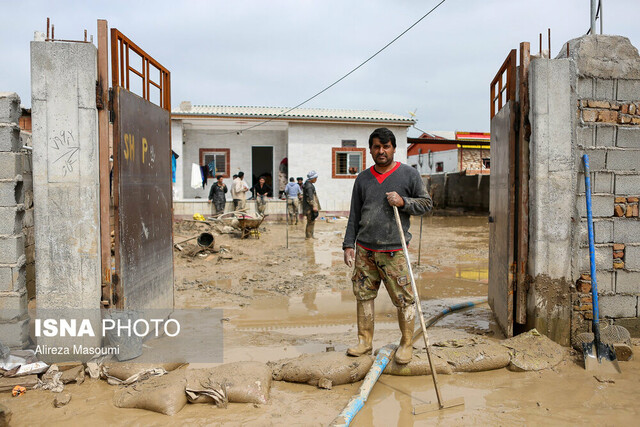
624 352
244 382
18 391
140 376
213 391
28 381
51 380
124 371
313 368
164 394
73 375
603 379
533 351
61 400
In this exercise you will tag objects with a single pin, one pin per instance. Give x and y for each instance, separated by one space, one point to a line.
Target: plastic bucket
205 240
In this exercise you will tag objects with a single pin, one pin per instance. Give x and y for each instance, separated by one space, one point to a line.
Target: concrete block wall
588 102
28 228
608 114
14 319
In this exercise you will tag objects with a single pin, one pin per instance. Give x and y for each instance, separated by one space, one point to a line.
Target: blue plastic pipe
357 401
382 360
592 251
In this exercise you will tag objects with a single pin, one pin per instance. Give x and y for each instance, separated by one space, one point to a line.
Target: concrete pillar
66 185
14 320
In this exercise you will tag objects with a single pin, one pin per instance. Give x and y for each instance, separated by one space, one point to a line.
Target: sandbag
533 351
419 365
122 371
473 355
338 368
164 394
244 382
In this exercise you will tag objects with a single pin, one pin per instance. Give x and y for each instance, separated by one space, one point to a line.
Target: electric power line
343 77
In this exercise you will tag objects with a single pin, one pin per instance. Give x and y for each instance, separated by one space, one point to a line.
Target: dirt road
282 302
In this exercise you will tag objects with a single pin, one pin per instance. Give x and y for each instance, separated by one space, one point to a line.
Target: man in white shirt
239 193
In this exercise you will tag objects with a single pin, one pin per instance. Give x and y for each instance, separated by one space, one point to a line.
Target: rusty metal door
502 195
142 157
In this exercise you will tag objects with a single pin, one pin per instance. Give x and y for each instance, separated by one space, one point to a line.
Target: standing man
217 195
373 244
292 191
234 198
310 203
260 193
300 184
241 188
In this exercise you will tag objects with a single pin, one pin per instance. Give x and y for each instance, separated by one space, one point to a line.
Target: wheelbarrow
250 226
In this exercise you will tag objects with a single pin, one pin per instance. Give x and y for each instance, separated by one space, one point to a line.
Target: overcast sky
280 52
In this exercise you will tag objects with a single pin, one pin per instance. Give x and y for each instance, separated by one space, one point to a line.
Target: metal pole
600 16
420 240
286 216
594 7
414 288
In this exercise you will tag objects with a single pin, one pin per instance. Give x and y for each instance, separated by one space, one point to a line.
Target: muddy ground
281 302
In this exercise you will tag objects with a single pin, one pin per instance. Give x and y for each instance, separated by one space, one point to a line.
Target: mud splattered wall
588 103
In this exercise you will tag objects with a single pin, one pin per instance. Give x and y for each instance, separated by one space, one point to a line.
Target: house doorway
262 164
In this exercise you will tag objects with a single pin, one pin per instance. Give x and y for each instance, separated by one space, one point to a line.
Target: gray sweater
372 224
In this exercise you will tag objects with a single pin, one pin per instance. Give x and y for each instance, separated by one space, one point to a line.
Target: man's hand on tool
349 256
394 199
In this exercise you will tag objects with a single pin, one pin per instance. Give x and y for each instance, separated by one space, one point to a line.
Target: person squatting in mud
373 244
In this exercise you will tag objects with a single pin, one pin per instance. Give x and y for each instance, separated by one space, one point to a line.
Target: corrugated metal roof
298 113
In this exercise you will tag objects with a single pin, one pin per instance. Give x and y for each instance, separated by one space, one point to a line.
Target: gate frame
516 76
108 143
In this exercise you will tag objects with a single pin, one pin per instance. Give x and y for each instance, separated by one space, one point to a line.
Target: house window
348 143
439 166
218 157
486 163
347 162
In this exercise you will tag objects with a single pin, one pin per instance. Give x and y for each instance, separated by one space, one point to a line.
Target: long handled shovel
597 355
442 404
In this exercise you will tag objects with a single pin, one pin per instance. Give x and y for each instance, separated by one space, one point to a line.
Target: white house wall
310 147
176 146
449 158
240 154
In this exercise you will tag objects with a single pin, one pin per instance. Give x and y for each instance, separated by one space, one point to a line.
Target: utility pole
594 8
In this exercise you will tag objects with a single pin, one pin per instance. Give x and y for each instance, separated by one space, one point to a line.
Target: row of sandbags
168 388
530 351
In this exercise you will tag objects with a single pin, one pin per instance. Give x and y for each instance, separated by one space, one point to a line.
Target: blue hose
382 360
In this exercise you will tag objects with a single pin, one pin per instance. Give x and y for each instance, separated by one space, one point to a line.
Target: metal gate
141 188
508 195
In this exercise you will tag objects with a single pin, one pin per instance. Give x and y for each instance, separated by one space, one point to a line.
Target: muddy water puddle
566 395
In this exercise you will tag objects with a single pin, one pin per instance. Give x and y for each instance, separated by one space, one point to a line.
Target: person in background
233 192
260 193
217 195
241 188
310 203
300 184
293 192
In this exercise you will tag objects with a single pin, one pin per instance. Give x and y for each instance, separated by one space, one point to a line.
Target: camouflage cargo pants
373 267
